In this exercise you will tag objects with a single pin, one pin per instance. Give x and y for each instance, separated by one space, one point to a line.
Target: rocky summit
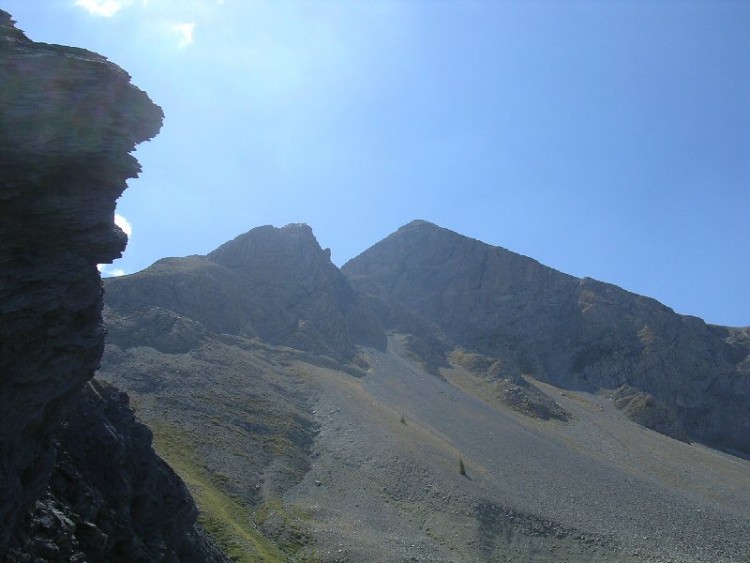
437 399
72 457
574 333
276 285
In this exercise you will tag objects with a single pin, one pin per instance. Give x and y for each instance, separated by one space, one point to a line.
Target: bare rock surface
577 333
68 122
110 498
275 284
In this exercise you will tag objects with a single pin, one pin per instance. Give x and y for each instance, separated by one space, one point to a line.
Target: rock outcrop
68 122
578 333
110 498
275 284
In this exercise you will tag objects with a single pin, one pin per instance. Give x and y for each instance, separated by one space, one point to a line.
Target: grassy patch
286 525
227 520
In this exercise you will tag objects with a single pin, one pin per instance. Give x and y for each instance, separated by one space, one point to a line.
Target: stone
69 121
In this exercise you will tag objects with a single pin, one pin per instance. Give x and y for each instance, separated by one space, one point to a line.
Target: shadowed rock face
109 497
68 121
568 331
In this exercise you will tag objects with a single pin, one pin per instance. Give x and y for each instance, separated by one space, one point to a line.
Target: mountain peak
434 235
274 283
418 224
425 228
295 242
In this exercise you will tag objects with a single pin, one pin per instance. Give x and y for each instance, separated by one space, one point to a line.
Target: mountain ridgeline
277 285
571 332
671 372
436 399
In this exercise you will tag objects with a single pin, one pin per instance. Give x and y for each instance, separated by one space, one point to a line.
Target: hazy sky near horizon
608 139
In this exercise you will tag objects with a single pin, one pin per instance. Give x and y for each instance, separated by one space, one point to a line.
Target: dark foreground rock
110 497
68 122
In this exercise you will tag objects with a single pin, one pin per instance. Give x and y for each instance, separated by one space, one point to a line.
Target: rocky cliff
68 121
109 497
680 375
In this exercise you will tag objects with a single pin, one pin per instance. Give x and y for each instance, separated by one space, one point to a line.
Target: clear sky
608 139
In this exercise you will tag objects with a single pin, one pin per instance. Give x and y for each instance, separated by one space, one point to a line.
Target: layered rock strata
68 122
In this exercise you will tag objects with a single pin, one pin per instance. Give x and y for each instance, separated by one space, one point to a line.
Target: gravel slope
596 488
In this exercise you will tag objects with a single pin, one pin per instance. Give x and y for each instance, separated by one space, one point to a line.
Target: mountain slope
595 488
328 415
577 333
205 346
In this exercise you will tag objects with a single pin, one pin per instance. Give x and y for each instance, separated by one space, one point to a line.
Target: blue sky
608 139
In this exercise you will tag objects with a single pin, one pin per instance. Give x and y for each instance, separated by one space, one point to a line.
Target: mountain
79 480
437 399
208 348
575 333
277 285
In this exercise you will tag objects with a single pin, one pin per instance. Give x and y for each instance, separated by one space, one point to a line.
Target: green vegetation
461 468
403 420
226 519
286 525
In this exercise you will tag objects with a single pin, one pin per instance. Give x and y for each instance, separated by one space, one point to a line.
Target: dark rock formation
110 498
68 121
572 332
276 284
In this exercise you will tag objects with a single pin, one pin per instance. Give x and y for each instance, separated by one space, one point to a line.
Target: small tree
461 468
403 420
